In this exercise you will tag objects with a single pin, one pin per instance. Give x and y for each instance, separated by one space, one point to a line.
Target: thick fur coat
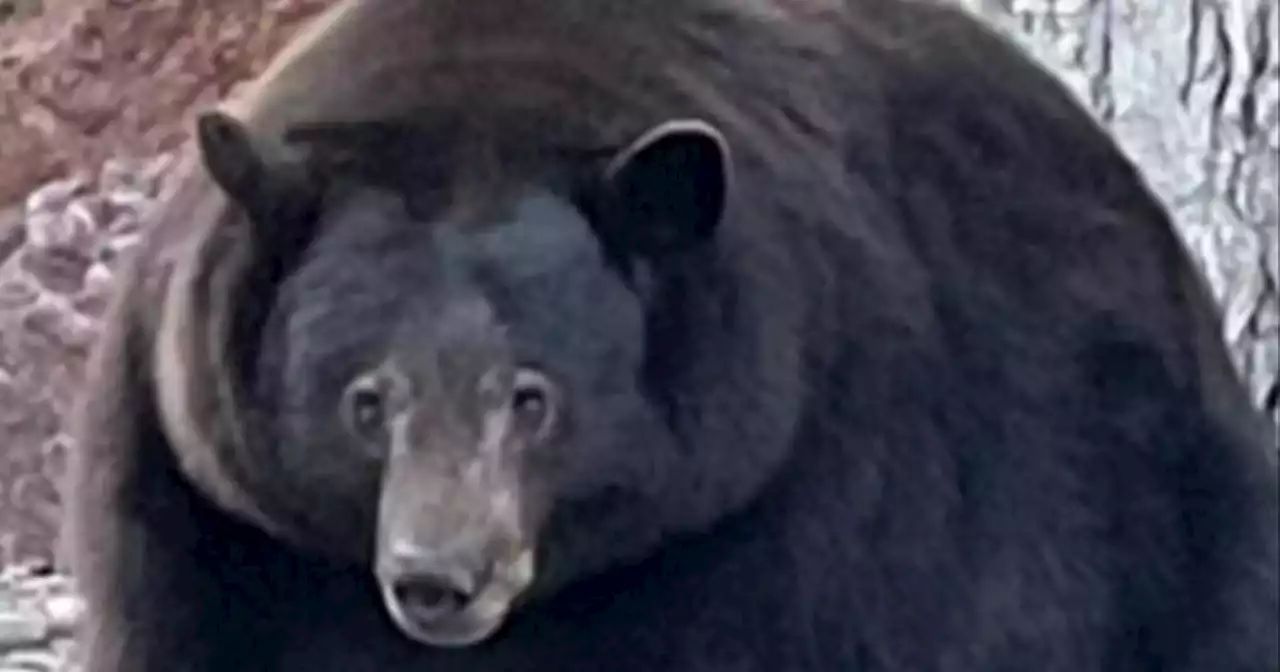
933 387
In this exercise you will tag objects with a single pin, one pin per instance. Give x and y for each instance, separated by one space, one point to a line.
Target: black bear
708 336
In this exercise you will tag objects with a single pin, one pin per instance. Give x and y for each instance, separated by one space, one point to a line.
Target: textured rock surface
52 288
38 613
1190 87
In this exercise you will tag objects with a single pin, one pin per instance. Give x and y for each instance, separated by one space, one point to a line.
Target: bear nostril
435 590
429 597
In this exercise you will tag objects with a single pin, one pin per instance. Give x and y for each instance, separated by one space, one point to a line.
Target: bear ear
228 154
667 189
239 167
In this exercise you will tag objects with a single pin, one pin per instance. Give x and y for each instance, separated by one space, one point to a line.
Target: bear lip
477 621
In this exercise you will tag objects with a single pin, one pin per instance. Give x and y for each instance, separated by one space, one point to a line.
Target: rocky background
97 96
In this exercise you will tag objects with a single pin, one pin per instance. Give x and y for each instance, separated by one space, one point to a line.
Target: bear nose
430 586
428 597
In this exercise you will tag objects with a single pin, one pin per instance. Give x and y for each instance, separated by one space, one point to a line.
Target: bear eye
533 403
364 407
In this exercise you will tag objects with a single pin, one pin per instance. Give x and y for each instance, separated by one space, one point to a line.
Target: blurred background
96 101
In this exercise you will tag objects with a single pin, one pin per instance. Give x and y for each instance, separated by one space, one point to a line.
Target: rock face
53 287
1190 89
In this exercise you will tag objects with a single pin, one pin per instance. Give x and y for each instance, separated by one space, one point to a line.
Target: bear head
483 395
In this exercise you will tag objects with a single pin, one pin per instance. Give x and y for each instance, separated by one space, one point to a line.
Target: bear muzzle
453 555
451 599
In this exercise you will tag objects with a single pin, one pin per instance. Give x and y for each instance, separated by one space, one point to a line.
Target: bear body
516 336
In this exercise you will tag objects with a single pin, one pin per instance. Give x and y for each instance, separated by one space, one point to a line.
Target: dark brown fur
981 277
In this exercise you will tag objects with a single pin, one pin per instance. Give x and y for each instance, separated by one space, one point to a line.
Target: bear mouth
429 614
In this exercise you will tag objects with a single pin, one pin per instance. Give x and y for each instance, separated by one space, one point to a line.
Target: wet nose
430 586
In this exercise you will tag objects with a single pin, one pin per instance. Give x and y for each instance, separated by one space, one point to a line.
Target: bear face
465 392
435 392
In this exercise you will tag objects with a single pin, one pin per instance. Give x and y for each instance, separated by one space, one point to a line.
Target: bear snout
435 582
453 555
451 596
